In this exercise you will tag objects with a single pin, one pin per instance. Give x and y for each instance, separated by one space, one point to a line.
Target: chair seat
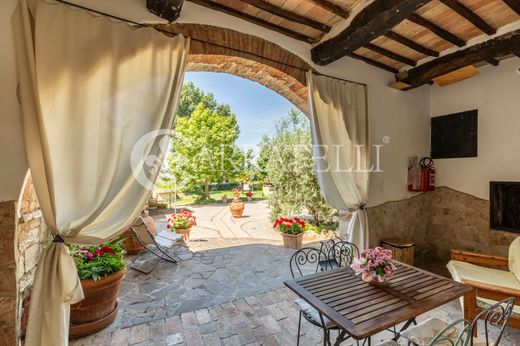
466 271
313 314
388 343
328 264
424 333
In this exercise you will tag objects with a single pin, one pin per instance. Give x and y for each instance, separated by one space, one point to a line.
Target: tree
291 171
192 96
264 154
204 149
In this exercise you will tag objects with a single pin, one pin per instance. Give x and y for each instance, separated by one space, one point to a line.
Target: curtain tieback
58 239
360 207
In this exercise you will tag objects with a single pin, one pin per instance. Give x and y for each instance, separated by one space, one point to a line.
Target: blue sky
257 108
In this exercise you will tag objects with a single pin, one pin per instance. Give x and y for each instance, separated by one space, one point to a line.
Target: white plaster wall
496 95
13 165
402 116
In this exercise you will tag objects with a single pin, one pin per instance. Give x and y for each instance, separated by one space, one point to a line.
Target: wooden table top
363 310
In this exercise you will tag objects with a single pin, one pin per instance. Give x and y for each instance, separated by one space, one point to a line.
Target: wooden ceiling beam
291 16
252 19
373 62
514 5
391 55
331 7
470 16
167 9
374 20
499 46
411 44
437 30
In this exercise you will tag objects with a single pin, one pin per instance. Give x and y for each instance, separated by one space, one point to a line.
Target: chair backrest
343 253
453 335
496 315
306 261
326 245
140 229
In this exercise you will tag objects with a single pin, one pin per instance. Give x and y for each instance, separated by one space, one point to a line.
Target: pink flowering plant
374 265
98 261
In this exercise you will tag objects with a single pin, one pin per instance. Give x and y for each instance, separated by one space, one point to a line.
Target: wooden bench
485 290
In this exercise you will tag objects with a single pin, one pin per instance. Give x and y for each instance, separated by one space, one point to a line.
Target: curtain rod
198 40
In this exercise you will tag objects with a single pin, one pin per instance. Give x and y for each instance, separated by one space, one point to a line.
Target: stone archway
216 49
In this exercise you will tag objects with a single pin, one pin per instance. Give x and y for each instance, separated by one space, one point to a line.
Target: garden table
361 310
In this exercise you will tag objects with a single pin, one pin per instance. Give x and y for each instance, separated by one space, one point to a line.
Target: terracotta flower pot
249 198
132 245
292 241
99 308
185 234
237 209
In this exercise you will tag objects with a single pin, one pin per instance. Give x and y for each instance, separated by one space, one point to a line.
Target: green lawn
188 198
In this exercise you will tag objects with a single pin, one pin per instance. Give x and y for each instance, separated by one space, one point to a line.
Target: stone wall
406 219
8 293
438 222
32 236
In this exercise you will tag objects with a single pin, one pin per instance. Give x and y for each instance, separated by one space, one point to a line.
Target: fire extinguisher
427 174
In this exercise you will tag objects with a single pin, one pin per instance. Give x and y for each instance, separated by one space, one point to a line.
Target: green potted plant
182 223
101 269
224 198
292 231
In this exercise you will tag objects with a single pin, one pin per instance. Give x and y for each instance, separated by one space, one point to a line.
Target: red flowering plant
292 226
98 261
249 194
184 220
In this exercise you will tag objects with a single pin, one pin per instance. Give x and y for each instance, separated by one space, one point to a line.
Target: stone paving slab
269 318
209 272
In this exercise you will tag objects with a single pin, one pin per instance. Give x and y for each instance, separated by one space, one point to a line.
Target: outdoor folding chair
158 244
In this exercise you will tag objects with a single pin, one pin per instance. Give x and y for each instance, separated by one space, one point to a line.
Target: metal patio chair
158 244
497 315
303 262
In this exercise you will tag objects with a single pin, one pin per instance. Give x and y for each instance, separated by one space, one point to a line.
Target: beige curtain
339 127
91 88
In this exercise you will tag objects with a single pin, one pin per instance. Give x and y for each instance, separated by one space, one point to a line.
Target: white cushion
388 343
514 258
467 271
423 333
311 312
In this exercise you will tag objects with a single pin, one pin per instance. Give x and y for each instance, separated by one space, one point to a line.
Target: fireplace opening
504 200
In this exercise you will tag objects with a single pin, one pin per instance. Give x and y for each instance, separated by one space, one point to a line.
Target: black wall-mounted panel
455 135
504 198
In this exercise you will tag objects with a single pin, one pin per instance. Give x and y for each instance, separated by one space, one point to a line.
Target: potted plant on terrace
224 198
375 266
292 231
249 196
101 270
182 224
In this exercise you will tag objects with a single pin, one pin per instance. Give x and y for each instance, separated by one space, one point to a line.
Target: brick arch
280 82
216 49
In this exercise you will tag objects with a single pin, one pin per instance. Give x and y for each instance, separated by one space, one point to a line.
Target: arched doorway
216 49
